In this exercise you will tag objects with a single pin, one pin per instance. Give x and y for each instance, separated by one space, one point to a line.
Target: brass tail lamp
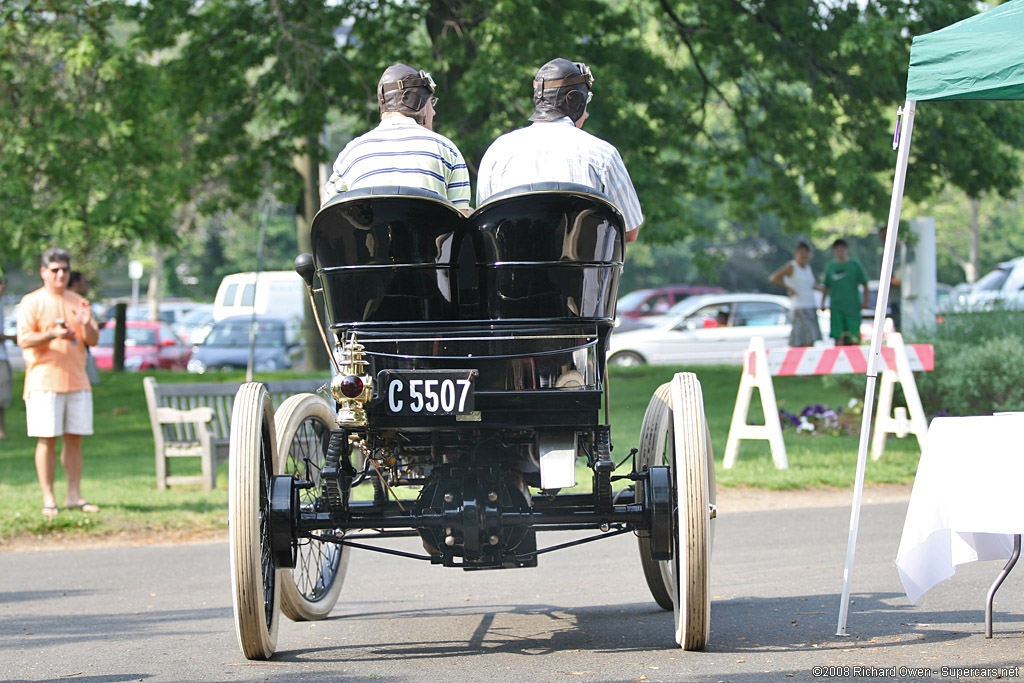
351 387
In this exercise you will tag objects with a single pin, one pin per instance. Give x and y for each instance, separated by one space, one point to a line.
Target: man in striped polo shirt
556 149
403 150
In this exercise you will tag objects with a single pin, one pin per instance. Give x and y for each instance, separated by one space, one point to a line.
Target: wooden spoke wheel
310 590
255 583
675 434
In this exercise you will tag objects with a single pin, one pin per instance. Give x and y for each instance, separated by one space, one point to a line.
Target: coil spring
331 475
603 472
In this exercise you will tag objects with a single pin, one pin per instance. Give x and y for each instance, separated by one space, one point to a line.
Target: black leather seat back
387 255
549 251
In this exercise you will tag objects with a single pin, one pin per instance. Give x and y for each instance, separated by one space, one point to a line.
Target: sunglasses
59 269
433 101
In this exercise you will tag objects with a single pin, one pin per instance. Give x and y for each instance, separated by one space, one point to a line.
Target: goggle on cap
553 87
404 89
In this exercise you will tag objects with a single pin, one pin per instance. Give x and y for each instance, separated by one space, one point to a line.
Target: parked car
147 346
277 344
954 299
1002 287
642 303
708 329
169 311
280 293
14 356
942 296
942 300
194 325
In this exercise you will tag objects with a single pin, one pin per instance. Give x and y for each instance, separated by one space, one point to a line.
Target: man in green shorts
844 278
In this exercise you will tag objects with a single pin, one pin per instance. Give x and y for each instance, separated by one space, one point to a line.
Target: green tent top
979 58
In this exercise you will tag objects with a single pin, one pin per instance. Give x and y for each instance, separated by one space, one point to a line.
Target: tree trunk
971 267
315 353
155 288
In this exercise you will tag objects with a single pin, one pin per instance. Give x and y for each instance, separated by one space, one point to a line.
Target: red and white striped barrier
836 360
898 362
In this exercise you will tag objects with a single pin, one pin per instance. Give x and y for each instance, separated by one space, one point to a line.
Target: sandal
84 506
50 511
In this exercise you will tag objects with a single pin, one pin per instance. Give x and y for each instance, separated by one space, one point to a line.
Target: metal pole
255 285
120 315
884 278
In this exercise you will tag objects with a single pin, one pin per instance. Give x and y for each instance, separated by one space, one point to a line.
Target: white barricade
898 362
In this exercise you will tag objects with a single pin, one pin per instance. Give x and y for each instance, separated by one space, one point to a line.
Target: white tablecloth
967 501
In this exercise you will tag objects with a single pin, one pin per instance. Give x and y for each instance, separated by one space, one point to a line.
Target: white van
278 293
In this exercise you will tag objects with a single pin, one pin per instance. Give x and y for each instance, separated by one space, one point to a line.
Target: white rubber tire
256 594
692 609
681 437
310 590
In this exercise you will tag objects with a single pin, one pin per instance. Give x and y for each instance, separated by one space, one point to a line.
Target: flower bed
817 419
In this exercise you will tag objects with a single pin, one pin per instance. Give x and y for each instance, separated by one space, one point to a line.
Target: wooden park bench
193 420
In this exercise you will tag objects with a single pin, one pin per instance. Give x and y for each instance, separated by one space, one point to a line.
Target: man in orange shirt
54 327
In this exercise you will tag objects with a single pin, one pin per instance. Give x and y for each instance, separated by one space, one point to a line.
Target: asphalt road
163 613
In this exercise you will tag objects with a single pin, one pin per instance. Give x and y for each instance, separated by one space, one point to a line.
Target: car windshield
196 316
236 333
632 300
133 336
679 307
993 281
142 313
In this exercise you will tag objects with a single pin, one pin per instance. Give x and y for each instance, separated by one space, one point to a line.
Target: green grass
119 465
814 461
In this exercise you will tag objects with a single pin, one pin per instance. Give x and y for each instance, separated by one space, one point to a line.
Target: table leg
998 582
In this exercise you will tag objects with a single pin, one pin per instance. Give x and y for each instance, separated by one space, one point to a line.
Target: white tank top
801 281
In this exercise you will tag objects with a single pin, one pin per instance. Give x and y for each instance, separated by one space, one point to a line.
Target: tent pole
909 108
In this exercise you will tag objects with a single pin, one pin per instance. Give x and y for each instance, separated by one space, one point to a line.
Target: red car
147 346
656 301
634 308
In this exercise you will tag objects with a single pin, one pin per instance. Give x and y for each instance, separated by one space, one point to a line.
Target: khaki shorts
49 413
5 383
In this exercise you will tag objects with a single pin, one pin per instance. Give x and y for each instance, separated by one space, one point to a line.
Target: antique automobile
469 367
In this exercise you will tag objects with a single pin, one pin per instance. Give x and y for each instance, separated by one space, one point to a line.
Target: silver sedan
706 330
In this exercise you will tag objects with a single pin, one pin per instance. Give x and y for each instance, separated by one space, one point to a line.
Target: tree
973 235
794 98
725 112
86 149
779 107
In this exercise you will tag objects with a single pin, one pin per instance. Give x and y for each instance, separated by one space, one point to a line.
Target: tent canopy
979 58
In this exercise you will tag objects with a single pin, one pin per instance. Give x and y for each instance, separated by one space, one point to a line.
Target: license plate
429 392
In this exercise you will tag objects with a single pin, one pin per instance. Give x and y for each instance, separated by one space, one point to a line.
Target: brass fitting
352 386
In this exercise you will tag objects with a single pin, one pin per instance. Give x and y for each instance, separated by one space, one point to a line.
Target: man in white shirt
554 148
403 150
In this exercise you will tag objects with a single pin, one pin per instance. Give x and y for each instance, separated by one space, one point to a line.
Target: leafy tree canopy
781 107
86 144
725 112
